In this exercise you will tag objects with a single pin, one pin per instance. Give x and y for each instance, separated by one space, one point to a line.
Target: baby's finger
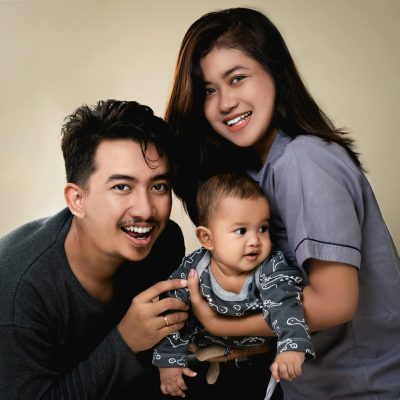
291 371
297 369
274 368
188 372
193 286
181 383
283 372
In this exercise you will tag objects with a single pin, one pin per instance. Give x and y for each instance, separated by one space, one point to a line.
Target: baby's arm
172 382
287 365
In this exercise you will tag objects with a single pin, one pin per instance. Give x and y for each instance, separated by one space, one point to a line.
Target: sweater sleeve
26 360
58 342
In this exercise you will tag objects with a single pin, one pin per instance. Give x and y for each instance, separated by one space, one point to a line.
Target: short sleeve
318 196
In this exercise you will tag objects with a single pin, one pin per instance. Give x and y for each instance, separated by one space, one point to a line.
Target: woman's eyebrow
228 72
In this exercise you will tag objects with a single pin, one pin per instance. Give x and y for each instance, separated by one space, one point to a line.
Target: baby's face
240 232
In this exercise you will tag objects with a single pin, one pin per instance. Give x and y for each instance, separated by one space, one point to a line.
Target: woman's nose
227 101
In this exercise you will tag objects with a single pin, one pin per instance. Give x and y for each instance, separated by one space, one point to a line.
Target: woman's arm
329 299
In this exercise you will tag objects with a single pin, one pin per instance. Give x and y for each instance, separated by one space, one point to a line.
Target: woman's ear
74 197
205 237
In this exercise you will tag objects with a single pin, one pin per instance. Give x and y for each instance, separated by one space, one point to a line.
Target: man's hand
287 365
144 325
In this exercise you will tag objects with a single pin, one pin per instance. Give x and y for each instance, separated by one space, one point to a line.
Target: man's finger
160 287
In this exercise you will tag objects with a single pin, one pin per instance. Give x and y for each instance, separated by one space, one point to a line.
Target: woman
238 103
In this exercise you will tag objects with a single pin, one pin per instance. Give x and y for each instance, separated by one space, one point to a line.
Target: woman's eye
238 78
209 91
241 231
121 187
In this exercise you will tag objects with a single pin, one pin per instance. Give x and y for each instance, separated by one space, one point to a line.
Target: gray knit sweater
58 342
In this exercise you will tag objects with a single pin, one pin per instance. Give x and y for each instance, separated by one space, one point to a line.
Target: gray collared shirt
323 207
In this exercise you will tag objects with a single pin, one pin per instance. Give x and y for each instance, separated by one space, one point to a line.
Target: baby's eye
240 231
121 187
264 228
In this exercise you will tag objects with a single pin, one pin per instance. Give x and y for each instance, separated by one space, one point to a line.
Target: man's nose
142 205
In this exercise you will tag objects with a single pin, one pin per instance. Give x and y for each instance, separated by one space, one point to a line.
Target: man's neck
94 271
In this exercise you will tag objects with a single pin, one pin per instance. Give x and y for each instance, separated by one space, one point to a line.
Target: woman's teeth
237 119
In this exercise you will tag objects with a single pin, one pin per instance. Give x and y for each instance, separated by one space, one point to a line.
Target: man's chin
140 253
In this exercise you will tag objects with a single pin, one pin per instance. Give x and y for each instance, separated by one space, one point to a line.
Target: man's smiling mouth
138 232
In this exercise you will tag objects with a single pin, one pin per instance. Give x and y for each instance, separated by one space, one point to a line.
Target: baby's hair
221 186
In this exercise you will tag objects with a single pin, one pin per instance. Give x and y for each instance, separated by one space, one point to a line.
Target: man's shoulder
22 247
35 235
21 252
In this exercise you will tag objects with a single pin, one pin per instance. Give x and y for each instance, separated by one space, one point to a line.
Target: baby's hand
172 382
287 365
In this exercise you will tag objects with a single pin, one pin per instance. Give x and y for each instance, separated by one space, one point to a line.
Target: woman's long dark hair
202 152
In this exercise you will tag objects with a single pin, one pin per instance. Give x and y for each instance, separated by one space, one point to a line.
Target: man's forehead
125 156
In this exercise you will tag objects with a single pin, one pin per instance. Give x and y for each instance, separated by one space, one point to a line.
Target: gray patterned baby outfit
273 287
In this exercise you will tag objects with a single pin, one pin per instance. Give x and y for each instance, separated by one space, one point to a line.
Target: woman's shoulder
304 150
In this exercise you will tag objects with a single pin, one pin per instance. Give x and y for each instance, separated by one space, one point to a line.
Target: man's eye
161 187
240 231
264 229
121 187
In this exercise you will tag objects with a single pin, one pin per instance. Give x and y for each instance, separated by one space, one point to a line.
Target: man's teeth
138 229
237 119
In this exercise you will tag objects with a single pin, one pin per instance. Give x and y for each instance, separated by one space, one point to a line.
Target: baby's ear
205 237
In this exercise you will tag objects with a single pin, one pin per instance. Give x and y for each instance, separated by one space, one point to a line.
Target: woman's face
240 98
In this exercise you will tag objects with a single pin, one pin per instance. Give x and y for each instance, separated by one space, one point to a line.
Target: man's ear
205 237
74 197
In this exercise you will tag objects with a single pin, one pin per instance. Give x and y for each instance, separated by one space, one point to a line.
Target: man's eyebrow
120 177
123 177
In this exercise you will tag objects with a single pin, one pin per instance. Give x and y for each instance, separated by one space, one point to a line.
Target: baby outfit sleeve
280 289
173 349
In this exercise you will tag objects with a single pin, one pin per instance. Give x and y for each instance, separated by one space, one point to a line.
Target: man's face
127 204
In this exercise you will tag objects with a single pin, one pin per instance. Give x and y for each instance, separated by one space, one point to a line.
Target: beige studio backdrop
56 55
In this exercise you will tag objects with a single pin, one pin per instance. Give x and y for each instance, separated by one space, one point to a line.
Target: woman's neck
263 146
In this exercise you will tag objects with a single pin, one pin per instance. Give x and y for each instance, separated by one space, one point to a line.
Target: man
69 328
